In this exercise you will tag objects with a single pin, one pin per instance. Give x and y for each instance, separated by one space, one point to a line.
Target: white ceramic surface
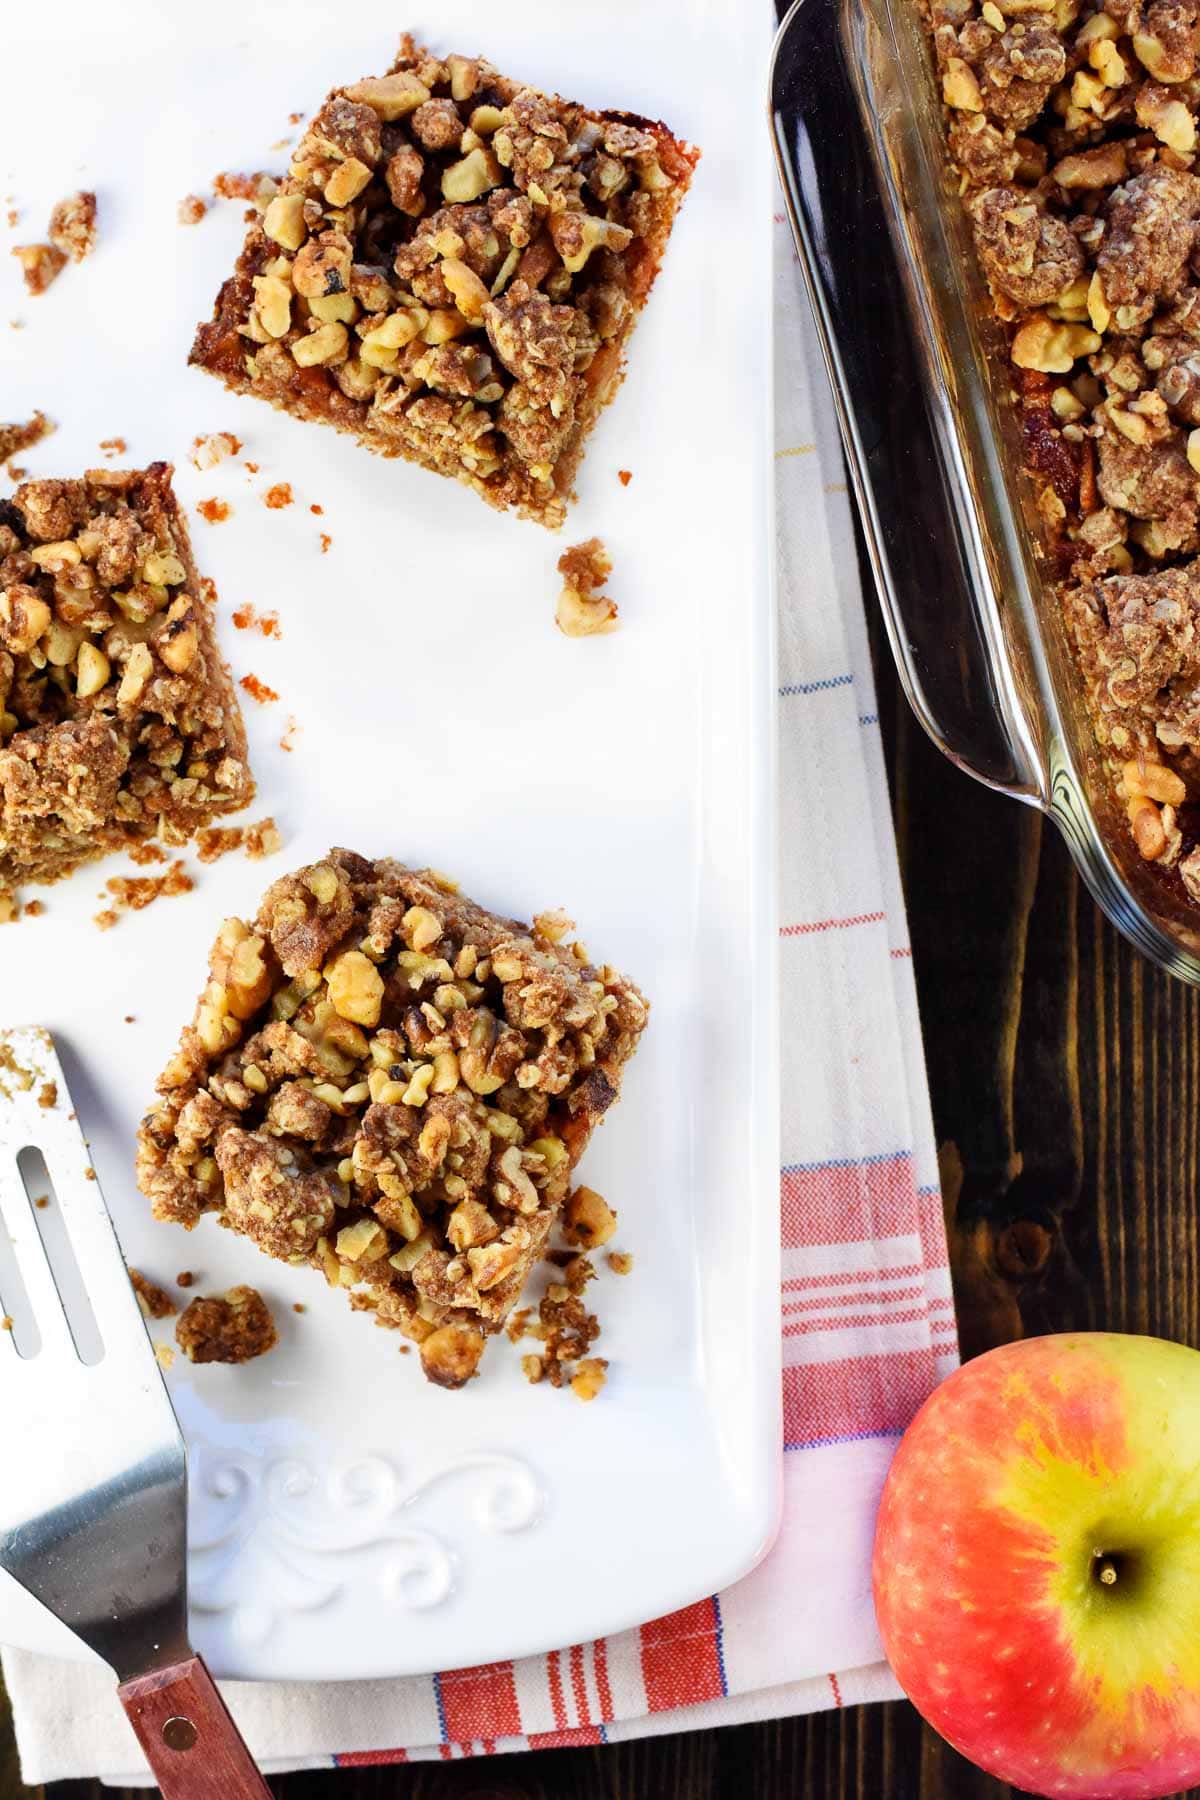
348 1519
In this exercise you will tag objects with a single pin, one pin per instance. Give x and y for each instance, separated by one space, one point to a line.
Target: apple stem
1107 1572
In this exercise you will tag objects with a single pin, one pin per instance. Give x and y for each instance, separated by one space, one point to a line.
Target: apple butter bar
389 1083
118 719
450 271
1073 130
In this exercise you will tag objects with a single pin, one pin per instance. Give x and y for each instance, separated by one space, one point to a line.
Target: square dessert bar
450 271
118 719
388 1083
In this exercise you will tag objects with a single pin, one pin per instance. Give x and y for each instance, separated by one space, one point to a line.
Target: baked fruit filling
389 1083
450 271
1073 130
118 719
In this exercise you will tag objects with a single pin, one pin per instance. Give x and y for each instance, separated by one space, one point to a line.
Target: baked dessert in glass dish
1073 134
450 271
391 1084
118 719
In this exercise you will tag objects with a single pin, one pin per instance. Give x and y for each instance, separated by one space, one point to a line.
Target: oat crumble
214 511
118 720
208 451
581 610
259 840
258 690
278 496
393 1086
229 1328
259 188
450 271
191 209
15 438
133 893
1073 130
72 228
154 1301
248 618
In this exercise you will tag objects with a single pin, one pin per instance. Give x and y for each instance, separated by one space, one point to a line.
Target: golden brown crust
118 720
391 1084
450 272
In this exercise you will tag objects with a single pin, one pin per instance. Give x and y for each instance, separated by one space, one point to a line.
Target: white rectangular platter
349 1520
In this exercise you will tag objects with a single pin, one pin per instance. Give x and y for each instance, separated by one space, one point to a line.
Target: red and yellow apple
1037 1565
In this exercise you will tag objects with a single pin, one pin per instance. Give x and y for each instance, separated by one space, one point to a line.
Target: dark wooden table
1064 1073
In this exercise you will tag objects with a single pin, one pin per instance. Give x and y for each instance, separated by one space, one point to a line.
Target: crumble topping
40 265
392 1085
208 451
258 187
229 1328
133 893
1074 132
258 690
191 209
581 611
15 438
72 228
118 720
278 496
154 1301
258 840
248 618
450 270
214 511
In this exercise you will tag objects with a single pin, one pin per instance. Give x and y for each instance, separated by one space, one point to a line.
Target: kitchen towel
867 1315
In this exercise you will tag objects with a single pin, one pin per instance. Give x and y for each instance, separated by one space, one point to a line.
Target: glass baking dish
932 440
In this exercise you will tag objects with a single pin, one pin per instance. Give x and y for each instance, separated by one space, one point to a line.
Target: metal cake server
93 1494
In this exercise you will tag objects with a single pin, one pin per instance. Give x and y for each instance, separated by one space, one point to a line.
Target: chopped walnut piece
154 1301
72 227
581 611
208 451
589 1377
450 1355
263 839
40 265
229 1328
392 1085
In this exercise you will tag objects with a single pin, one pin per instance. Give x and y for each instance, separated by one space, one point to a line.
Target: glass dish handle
923 543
